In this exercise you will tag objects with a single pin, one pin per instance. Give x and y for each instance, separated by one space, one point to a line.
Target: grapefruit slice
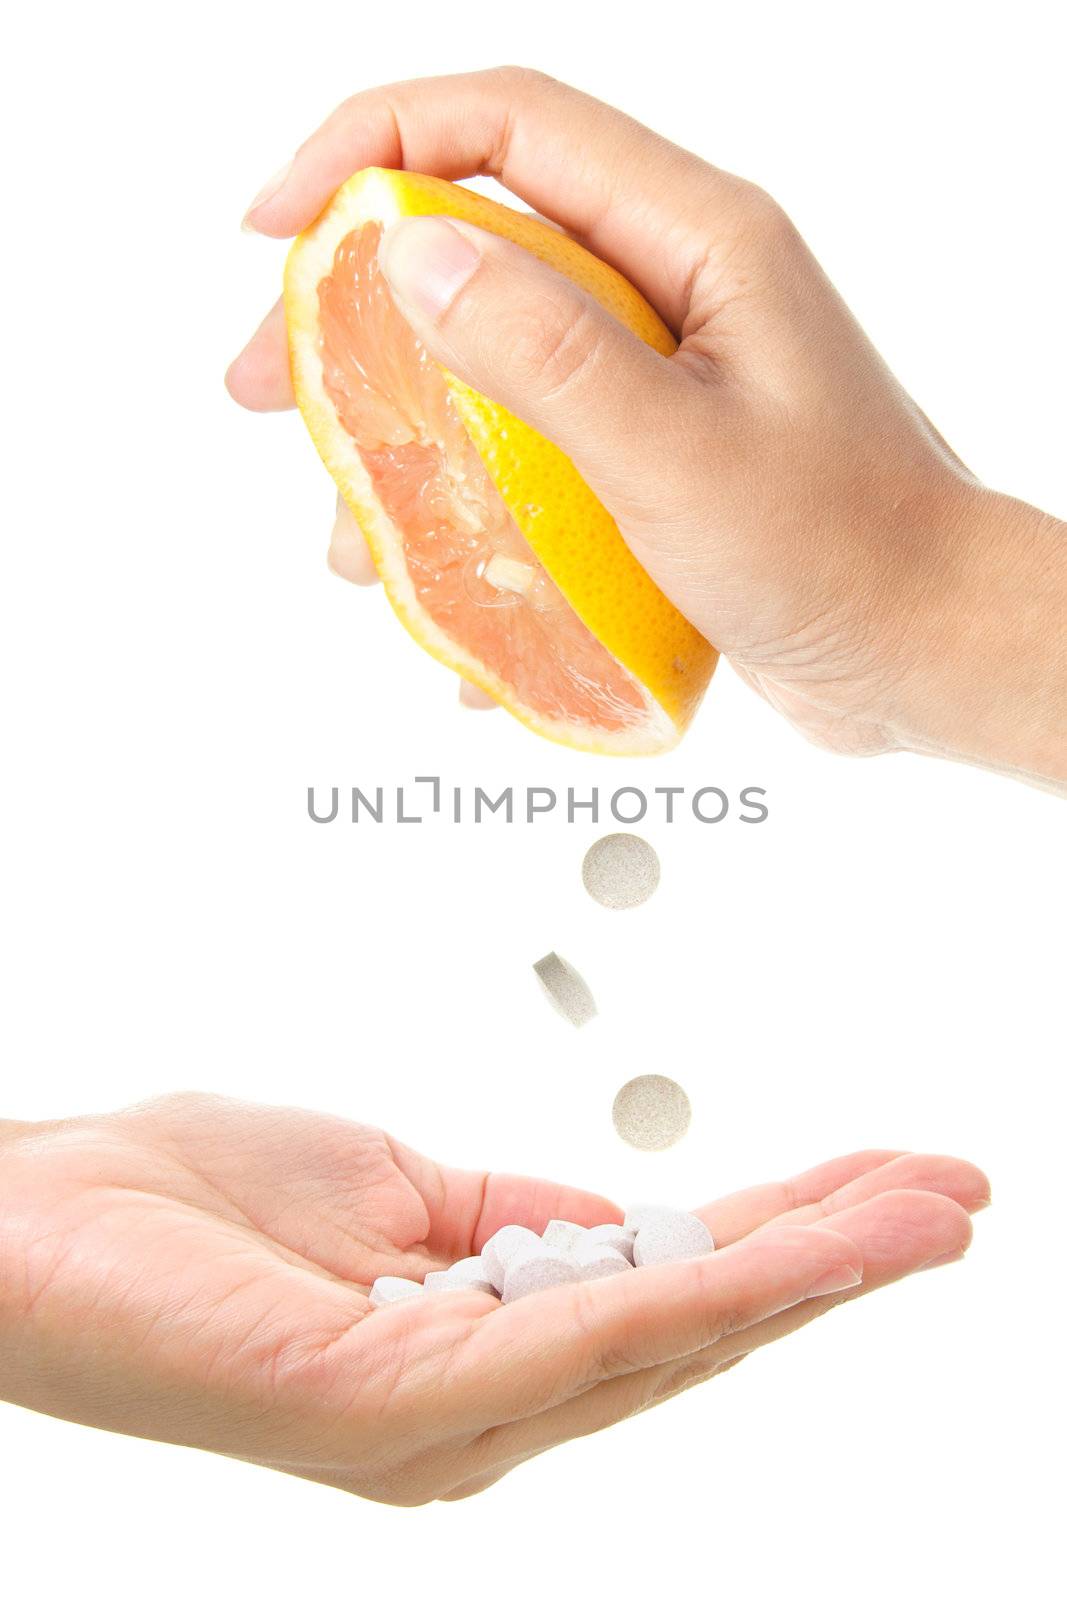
493 551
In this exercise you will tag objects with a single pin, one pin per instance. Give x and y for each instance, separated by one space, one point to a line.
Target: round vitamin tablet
651 1112
621 870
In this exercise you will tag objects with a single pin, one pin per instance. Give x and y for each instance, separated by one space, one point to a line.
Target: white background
880 963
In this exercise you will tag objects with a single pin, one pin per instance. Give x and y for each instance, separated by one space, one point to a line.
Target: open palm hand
196 1270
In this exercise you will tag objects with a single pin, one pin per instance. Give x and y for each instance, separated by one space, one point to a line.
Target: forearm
993 690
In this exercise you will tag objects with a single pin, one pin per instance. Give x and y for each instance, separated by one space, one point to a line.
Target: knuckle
519 79
724 1316
764 218
684 1376
555 346
606 1359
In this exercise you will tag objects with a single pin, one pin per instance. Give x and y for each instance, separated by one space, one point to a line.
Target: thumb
535 342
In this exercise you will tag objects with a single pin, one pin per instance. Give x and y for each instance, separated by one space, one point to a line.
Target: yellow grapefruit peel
568 530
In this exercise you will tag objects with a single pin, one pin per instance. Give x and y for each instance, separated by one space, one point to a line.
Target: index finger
635 199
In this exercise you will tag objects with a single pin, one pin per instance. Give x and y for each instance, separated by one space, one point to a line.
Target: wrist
987 679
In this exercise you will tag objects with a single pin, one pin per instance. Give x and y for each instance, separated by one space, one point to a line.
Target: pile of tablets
516 1261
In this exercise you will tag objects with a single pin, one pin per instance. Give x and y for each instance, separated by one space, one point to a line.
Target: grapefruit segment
492 549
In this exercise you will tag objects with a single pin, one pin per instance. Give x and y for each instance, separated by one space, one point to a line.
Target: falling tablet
567 989
621 870
651 1112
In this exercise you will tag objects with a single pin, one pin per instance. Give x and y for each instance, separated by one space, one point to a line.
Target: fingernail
427 261
943 1261
831 1282
272 186
473 698
349 556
